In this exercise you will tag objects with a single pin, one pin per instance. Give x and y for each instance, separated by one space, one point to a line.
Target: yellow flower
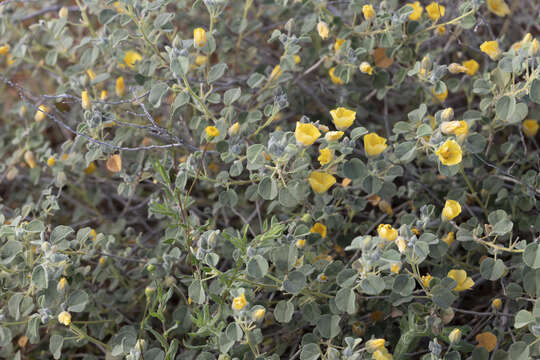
401 244
463 282
368 12
320 182
119 7
102 260
200 60
374 144
51 161
335 79
276 72
199 37
449 238
131 58
498 7
395 268
61 284
449 153
319 228
233 130
417 10
93 234
454 127
426 279
91 74
103 95
451 209
4 50
454 336
301 243
64 318
435 11
10 60
239 302
86 103
387 232
322 29
326 156
441 30
306 134
120 87
342 117
211 131
491 48
338 44
440 96
333 135
382 354
375 344
90 169
258 314
530 127
30 159
41 114
366 68
472 66
533 50
496 304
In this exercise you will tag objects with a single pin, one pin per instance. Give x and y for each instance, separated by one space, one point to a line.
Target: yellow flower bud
4 50
93 233
64 318
86 103
51 161
447 114
233 130
374 144
366 68
300 243
451 209
276 72
259 314
530 127
375 344
201 60
239 302
91 74
454 336
64 12
333 135
454 127
61 284
387 232
319 228
103 95
30 159
322 29
401 244
496 304
335 79
120 87
455 68
102 260
426 279
199 37
449 238
533 49
368 11
440 96
90 169
41 114
338 44
395 268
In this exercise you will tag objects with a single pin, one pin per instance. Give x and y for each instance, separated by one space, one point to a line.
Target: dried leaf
114 164
381 60
487 339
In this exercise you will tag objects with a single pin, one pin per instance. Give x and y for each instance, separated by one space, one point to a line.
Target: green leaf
310 352
77 301
294 282
284 311
255 80
40 277
523 318
268 188
403 285
355 169
534 93
492 269
196 292
5 336
156 93
60 233
216 72
531 256
257 266
505 107
442 296
35 226
231 96
55 345
372 285
328 326
9 251
346 301
519 351
287 198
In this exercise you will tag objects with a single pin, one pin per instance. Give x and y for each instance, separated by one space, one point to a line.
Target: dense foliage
266 179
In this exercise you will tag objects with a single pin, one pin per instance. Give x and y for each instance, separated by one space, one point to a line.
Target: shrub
269 179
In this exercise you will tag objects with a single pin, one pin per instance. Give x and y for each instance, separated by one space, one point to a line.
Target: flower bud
533 49
30 159
455 68
301 243
322 29
496 304
41 114
86 103
258 314
149 290
366 68
447 114
120 87
61 284
64 318
233 130
199 37
455 336
64 12
401 244
375 344
51 161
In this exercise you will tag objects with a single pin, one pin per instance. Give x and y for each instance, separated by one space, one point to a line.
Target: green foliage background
127 215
